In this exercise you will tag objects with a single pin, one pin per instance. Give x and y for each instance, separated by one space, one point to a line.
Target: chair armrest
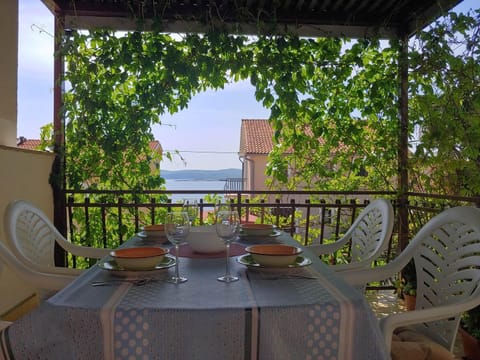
325 249
83 251
362 277
389 323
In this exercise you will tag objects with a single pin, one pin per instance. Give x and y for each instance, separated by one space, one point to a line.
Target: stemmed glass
191 208
177 227
227 224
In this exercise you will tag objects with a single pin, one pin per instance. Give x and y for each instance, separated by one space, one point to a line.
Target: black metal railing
234 184
108 218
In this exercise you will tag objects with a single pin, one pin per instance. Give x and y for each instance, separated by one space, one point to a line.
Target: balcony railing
108 218
234 184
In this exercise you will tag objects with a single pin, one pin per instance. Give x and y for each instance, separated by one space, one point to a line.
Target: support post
57 177
402 214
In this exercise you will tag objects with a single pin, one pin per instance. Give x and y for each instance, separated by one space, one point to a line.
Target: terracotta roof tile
256 136
29 144
33 144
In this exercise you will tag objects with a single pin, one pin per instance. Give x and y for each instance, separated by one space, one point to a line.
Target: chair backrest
30 235
371 231
369 234
446 252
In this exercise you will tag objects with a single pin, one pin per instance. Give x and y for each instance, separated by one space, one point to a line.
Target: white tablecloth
257 317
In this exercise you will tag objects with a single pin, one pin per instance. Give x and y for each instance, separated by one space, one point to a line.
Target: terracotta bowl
257 229
155 232
274 255
139 258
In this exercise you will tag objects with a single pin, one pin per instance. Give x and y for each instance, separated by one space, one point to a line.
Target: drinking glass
191 208
227 225
177 227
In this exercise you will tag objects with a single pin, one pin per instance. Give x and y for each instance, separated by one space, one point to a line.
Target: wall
254 167
8 71
23 175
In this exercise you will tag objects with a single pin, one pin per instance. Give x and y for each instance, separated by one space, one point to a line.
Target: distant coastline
201 175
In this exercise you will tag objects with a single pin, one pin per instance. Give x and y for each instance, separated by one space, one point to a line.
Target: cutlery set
143 281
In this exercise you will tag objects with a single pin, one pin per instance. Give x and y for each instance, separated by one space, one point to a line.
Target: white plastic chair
43 283
4 324
446 252
31 237
369 234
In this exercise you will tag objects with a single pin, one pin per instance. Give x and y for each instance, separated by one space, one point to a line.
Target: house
34 145
256 142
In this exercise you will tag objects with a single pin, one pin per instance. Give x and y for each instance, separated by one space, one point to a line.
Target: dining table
304 311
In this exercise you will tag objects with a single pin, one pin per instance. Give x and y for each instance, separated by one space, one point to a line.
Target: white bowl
155 232
139 258
257 229
205 240
274 255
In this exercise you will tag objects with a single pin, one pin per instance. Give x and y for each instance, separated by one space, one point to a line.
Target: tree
333 102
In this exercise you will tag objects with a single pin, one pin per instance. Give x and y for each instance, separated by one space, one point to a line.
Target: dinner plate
247 260
143 234
275 233
111 265
159 238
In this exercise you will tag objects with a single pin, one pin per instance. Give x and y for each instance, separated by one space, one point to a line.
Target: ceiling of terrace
351 18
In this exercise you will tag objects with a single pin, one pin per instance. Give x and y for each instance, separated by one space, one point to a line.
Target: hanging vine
333 101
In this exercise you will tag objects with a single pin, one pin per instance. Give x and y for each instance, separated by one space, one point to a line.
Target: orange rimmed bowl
139 258
257 229
274 255
155 232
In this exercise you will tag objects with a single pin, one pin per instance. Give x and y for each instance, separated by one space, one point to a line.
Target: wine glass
227 224
191 208
223 206
177 227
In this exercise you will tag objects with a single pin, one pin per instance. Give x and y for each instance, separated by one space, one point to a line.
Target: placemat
187 251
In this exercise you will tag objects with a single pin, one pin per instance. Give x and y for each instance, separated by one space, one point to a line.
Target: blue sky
207 133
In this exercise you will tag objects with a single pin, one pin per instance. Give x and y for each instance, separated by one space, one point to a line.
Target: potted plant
410 295
407 286
470 332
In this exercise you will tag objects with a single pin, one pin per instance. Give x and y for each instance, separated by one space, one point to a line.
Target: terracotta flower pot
471 345
409 301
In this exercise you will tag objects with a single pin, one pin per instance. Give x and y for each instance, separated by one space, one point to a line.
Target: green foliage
445 106
333 102
471 322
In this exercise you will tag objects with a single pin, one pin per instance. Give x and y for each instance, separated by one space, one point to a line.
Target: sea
174 184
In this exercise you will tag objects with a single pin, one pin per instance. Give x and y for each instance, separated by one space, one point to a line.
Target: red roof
33 144
256 136
29 144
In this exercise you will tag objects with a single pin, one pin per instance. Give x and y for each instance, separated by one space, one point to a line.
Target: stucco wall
23 175
255 172
8 71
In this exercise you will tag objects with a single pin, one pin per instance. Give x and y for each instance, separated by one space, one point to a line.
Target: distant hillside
201 174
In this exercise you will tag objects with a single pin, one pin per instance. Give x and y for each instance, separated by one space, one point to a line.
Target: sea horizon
188 184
